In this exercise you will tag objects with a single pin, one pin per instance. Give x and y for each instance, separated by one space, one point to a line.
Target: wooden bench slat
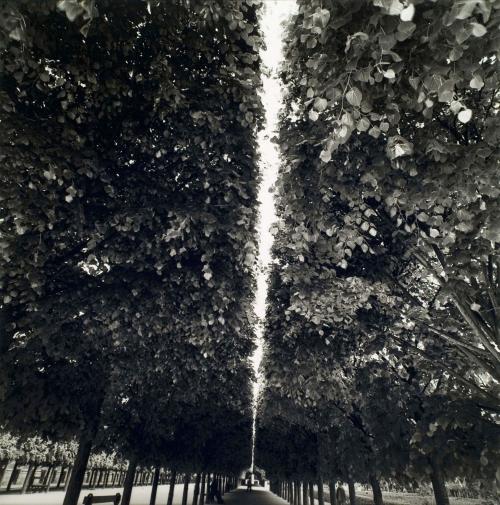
90 499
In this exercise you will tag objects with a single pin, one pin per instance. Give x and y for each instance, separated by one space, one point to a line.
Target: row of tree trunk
131 478
201 485
304 493
100 477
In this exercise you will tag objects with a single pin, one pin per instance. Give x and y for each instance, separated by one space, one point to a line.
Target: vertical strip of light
275 12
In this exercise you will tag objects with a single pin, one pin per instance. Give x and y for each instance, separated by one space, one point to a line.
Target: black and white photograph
250 252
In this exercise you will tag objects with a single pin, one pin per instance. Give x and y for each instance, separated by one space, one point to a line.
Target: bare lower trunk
377 492
305 494
61 475
48 480
6 333
154 488
78 474
129 481
202 489
11 478
29 478
333 492
196 493
187 477
171 489
68 478
321 496
311 493
438 484
352 492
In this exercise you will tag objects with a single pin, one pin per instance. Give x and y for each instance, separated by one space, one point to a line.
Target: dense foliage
128 190
382 330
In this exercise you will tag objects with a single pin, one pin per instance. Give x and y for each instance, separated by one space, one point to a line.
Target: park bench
90 499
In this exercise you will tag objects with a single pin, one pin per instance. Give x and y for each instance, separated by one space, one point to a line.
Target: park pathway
258 496
141 495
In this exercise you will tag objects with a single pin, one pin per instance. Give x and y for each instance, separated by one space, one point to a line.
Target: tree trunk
377 492
91 478
3 467
79 467
185 489
154 489
299 494
59 480
173 478
305 494
68 478
207 486
6 333
438 484
29 478
129 481
196 493
311 493
202 489
333 491
48 480
12 475
352 492
321 496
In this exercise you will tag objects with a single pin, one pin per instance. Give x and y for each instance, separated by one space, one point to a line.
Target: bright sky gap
275 12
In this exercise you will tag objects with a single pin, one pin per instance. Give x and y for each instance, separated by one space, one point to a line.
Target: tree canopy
129 179
381 331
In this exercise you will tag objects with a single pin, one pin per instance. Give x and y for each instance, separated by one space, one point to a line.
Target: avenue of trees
382 348
128 208
128 185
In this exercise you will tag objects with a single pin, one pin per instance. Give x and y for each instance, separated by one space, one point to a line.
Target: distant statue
249 484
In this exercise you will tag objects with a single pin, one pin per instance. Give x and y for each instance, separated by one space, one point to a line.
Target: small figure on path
249 484
214 492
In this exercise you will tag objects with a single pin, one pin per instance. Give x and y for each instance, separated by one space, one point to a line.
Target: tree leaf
320 104
478 30
398 146
465 115
354 96
325 156
407 13
313 115
446 91
476 82
363 125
